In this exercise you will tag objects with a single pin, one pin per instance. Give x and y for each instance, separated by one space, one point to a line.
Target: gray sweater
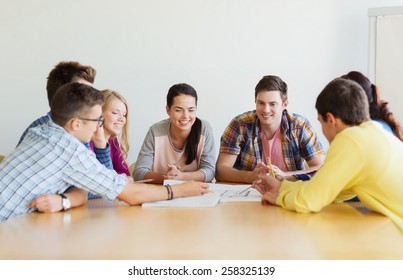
157 151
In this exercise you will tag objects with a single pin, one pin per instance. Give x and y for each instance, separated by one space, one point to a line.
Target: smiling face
115 117
182 113
269 108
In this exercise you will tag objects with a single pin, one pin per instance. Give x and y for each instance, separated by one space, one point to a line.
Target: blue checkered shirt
48 161
103 155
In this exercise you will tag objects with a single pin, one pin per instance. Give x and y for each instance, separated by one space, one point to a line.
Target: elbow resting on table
130 198
308 208
134 203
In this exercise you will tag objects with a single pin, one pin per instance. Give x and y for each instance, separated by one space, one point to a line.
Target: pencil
271 167
245 189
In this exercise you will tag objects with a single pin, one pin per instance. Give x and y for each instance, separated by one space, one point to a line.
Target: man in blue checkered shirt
51 158
65 72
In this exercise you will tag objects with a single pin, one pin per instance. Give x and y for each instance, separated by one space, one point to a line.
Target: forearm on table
77 196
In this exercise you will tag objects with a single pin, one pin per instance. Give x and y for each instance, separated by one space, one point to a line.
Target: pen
271 167
245 190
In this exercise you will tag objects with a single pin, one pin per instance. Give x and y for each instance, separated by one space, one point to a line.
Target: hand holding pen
270 167
275 171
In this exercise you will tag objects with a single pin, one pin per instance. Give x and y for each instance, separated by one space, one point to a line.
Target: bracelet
169 190
172 192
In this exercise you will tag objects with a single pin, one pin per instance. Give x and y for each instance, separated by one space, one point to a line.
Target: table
231 231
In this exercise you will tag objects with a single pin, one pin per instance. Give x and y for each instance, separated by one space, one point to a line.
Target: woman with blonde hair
115 113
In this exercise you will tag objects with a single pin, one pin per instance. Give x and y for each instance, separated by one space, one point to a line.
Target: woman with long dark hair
378 108
180 147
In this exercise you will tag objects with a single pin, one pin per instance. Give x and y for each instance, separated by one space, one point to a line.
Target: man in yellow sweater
362 160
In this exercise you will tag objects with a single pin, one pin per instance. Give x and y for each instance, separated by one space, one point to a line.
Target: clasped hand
173 171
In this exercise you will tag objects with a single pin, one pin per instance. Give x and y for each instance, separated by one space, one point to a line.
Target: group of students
79 149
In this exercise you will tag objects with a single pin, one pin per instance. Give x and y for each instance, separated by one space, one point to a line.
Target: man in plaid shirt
268 135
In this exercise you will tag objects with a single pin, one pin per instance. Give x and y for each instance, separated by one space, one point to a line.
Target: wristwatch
65 202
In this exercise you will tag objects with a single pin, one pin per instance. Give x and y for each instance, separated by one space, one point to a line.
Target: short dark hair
74 100
346 100
272 83
195 132
65 72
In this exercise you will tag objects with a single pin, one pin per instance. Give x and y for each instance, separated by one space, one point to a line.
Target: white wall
140 48
389 60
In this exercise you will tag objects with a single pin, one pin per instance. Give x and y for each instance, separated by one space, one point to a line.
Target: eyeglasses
100 120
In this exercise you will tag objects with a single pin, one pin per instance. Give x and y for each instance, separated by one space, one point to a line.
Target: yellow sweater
364 160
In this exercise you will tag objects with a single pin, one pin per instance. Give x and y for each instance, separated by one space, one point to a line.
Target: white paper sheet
224 192
205 200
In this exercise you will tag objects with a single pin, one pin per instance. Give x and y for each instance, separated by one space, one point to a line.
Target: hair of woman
378 108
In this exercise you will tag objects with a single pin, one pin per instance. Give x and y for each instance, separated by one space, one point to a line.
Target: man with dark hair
66 72
52 157
63 73
269 135
363 159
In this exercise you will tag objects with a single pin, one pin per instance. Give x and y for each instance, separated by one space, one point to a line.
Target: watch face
66 203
